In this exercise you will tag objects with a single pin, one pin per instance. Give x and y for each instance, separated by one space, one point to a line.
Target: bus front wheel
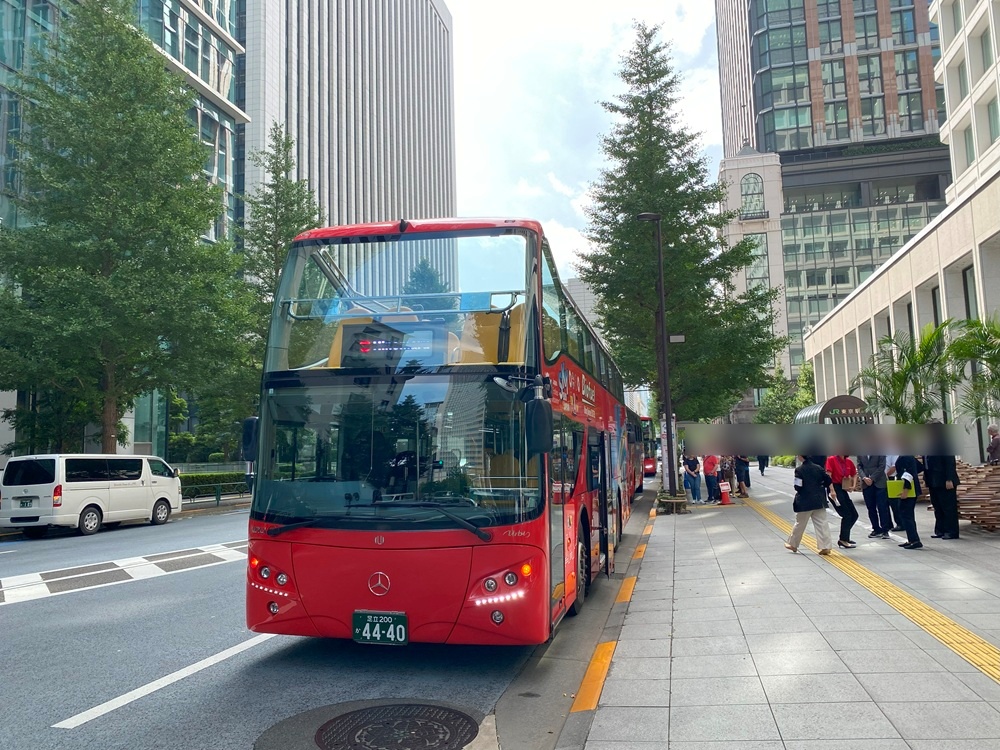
582 573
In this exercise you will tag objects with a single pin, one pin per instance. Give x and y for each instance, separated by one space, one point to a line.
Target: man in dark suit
908 469
941 478
871 472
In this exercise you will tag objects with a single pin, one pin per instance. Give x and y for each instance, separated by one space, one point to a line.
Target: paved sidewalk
731 641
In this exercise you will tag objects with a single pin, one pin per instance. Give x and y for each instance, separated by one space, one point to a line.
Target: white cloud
527 190
560 187
541 157
567 243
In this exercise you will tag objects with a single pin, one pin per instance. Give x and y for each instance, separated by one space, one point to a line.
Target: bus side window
553 311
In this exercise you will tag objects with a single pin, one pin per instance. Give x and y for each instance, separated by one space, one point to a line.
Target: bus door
597 469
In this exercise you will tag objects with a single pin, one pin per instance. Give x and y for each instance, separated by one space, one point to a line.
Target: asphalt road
163 659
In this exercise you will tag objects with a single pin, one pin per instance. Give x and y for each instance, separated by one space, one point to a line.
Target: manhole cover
398 727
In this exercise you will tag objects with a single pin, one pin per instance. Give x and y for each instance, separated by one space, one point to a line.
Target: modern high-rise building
842 93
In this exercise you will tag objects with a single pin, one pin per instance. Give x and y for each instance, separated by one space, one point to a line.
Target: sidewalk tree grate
979 652
401 726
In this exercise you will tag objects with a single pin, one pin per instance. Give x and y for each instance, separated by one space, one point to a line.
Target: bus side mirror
538 418
250 439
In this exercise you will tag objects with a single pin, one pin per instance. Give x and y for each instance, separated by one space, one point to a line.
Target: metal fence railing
217 490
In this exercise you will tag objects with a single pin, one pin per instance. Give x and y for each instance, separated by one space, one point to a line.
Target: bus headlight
510 578
281 578
272 607
490 584
497 616
265 572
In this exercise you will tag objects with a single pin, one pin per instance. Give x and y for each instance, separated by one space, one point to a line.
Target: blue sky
529 79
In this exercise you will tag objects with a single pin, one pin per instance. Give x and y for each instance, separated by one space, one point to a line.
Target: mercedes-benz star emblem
378 584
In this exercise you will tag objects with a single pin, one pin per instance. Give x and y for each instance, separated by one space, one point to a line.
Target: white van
86 491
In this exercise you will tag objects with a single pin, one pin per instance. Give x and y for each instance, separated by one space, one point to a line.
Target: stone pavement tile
649 605
981 607
762 643
646 648
683 590
813 688
904 661
900 622
834 622
705 614
909 687
707 645
843 609
640 668
635 693
951 661
741 599
717 691
923 639
985 687
707 628
652 595
630 745
695 573
826 597
724 665
860 640
757 625
847 745
659 616
643 631
989 620
737 745
990 744
799 662
630 724
820 584
703 723
956 595
747 611
650 584
832 721
702 602
944 721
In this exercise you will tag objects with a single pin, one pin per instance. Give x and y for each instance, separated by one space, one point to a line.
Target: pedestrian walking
692 477
762 463
812 484
871 472
844 475
941 478
993 449
908 468
711 466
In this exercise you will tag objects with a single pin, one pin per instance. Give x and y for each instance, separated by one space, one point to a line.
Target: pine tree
655 166
111 290
425 279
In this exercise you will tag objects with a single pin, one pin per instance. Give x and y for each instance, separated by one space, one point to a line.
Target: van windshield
30 471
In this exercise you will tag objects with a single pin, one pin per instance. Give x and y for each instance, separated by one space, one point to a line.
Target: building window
936 305
864 6
907 71
777 12
841 276
956 16
993 115
788 129
785 85
970 147
873 116
986 48
837 122
834 81
785 45
757 271
828 8
903 29
942 110
969 290
870 74
911 116
793 279
866 31
816 277
963 80
831 40
751 196
864 272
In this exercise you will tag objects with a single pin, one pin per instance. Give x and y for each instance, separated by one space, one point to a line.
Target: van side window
125 468
158 468
86 470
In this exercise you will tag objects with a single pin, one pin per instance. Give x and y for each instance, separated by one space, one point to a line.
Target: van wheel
90 520
35 532
582 574
161 512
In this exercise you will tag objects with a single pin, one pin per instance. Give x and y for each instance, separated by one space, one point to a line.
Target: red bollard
724 491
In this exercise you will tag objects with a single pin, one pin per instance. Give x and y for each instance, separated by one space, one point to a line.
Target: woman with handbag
844 475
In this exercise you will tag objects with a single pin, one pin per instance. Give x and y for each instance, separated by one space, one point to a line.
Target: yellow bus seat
481 335
505 471
337 345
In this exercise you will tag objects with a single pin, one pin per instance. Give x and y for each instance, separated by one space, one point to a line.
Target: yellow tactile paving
625 592
593 681
652 513
639 552
980 653
648 530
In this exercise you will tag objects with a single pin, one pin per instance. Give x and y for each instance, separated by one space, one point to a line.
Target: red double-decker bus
649 442
443 450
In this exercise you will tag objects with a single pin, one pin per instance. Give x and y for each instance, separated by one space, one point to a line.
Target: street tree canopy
783 400
110 290
654 165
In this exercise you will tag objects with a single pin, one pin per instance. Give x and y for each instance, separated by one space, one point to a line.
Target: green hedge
788 461
204 485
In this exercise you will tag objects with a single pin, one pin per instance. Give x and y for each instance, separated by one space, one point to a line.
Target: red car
649 466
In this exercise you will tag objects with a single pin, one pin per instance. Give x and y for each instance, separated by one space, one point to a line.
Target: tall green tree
976 350
111 291
655 165
908 378
425 279
778 406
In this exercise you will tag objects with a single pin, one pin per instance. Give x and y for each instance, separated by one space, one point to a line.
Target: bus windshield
362 452
402 302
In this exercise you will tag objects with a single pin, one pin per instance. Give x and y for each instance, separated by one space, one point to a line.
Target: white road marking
25 593
133 695
7 552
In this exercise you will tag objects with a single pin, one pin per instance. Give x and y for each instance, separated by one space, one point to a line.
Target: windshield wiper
484 535
317 521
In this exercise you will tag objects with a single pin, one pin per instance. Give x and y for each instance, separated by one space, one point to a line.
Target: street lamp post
663 364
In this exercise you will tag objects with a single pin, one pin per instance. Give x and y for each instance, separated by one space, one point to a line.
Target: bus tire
582 575
35 532
161 512
90 520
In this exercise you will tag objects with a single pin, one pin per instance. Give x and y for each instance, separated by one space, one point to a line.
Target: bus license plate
387 628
